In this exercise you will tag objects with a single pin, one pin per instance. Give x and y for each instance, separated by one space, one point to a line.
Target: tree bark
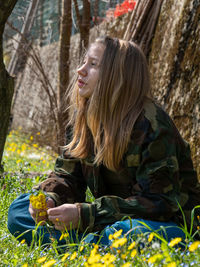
83 22
96 11
64 63
141 26
6 82
41 14
19 57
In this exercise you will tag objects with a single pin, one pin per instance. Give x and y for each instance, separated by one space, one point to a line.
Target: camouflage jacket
156 174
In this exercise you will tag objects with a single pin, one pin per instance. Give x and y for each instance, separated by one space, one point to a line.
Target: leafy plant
25 164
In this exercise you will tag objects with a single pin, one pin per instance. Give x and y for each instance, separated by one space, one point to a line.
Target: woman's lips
81 83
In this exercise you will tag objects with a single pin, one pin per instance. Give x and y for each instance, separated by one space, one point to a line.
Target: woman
124 147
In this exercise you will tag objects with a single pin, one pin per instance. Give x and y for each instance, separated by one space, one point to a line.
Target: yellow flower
119 242
117 234
41 260
123 256
49 263
42 213
194 246
31 137
81 248
23 147
132 245
23 241
151 236
171 264
96 246
64 235
25 265
108 258
38 206
110 237
35 145
41 197
96 265
73 256
175 241
133 253
127 264
64 257
93 251
39 201
94 258
154 258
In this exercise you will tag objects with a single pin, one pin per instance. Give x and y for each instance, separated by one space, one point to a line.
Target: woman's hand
64 217
40 215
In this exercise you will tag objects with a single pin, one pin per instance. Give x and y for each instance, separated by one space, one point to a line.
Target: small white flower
33 156
156 245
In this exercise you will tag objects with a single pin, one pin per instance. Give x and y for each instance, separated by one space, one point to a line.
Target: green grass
25 164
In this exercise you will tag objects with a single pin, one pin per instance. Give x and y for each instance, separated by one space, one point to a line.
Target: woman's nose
82 71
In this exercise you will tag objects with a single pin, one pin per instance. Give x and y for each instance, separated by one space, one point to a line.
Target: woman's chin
84 93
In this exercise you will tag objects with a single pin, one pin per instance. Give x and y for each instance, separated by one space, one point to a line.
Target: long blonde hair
102 125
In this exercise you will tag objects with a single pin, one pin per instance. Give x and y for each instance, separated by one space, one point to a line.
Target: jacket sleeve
156 181
66 184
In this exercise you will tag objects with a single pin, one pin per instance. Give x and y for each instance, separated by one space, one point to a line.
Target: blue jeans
21 225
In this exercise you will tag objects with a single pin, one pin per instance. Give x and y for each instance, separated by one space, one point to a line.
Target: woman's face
88 73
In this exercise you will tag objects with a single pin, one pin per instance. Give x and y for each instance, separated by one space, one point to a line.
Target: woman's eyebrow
92 57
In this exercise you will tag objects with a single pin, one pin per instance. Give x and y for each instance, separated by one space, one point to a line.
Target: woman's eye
93 63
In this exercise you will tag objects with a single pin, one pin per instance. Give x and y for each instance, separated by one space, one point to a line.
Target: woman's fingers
54 219
50 203
55 211
60 227
58 223
64 217
38 215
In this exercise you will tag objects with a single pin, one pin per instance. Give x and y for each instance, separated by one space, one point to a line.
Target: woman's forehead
96 50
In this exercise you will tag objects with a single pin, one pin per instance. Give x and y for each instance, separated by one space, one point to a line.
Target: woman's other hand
64 217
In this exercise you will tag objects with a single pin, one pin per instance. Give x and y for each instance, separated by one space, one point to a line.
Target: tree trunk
41 14
141 26
96 11
19 57
64 62
83 24
6 82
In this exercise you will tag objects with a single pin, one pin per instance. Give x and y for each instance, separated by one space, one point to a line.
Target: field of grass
25 164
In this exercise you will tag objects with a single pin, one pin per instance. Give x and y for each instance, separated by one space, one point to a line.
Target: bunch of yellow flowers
38 201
